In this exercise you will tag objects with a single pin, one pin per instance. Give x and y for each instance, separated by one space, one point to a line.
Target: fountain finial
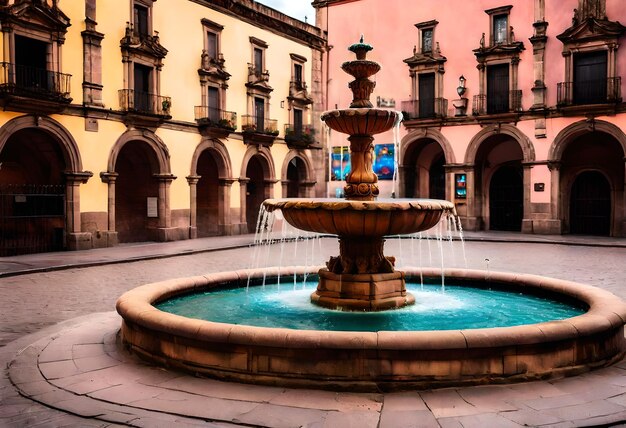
360 49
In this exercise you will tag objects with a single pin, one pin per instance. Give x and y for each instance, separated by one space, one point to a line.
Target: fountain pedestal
361 278
361 292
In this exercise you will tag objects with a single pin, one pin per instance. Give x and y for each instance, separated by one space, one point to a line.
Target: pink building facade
513 109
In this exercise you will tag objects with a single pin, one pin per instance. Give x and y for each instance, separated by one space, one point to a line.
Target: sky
294 8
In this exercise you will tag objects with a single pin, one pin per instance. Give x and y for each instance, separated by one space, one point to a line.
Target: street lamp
461 88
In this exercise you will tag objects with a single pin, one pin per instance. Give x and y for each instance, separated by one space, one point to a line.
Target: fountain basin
361 218
374 361
360 121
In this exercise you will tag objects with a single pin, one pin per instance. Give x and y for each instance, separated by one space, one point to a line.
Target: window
140 20
142 96
258 61
590 77
297 121
497 88
499 26
213 101
427 40
30 64
297 74
426 96
500 29
211 45
259 114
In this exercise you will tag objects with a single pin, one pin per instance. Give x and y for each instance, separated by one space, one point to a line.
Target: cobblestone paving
32 302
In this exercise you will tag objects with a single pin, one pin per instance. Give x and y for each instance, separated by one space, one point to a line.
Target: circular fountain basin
380 360
361 121
361 218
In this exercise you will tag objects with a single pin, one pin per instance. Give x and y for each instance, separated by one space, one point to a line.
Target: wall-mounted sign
384 161
385 102
152 205
340 163
540 187
460 186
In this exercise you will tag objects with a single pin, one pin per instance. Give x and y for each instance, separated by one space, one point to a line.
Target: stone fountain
361 278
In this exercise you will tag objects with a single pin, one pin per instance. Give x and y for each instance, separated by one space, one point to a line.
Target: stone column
527 222
92 58
109 178
165 231
225 226
555 197
193 205
243 188
474 216
76 239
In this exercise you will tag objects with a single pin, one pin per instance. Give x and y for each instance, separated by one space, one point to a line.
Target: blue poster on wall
340 163
384 161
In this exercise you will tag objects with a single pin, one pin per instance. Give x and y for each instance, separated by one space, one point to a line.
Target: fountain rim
605 311
332 204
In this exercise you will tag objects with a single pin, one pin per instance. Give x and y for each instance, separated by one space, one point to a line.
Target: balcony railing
215 117
299 134
144 102
598 91
22 80
424 108
506 102
251 123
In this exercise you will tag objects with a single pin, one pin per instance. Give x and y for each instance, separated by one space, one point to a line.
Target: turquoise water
287 306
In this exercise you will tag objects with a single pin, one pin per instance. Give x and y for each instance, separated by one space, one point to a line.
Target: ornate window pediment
142 45
590 51
31 79
35 14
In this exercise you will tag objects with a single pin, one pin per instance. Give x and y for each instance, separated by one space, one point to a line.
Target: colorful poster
384 161
340 163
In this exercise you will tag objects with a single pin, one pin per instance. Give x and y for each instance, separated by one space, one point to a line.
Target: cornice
269 19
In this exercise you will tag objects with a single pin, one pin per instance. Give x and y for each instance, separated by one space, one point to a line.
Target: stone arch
252 193
528 150
50 126
153 141
268 165
423 156
432 134
308 180
210 202
221 156
575 130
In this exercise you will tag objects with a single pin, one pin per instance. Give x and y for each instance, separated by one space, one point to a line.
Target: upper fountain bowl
361 121
361 218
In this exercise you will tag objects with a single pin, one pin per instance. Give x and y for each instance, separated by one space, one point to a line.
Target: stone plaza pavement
63 366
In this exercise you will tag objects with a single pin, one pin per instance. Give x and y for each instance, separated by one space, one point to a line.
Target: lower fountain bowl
375 361
361 218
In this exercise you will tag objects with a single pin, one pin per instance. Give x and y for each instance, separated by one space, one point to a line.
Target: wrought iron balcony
425 108
505 102
214 117
598 91
31 82
299 135
251 123
144 103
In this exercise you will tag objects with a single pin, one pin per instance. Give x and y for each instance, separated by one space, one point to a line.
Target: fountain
362 279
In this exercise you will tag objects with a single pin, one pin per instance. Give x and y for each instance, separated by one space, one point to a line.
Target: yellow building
136 120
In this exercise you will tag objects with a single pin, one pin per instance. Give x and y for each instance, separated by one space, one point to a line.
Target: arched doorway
423 170
32 193
207 195
296 174
136 192
255 190
437 179
506 199
590 204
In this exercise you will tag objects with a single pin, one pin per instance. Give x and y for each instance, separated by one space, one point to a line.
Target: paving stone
360 419
407 419
327 400
282 417
59 369
487 397
99 362
554 402
585 411
484 420
448 403
217 389
403 401
126 393
530 417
